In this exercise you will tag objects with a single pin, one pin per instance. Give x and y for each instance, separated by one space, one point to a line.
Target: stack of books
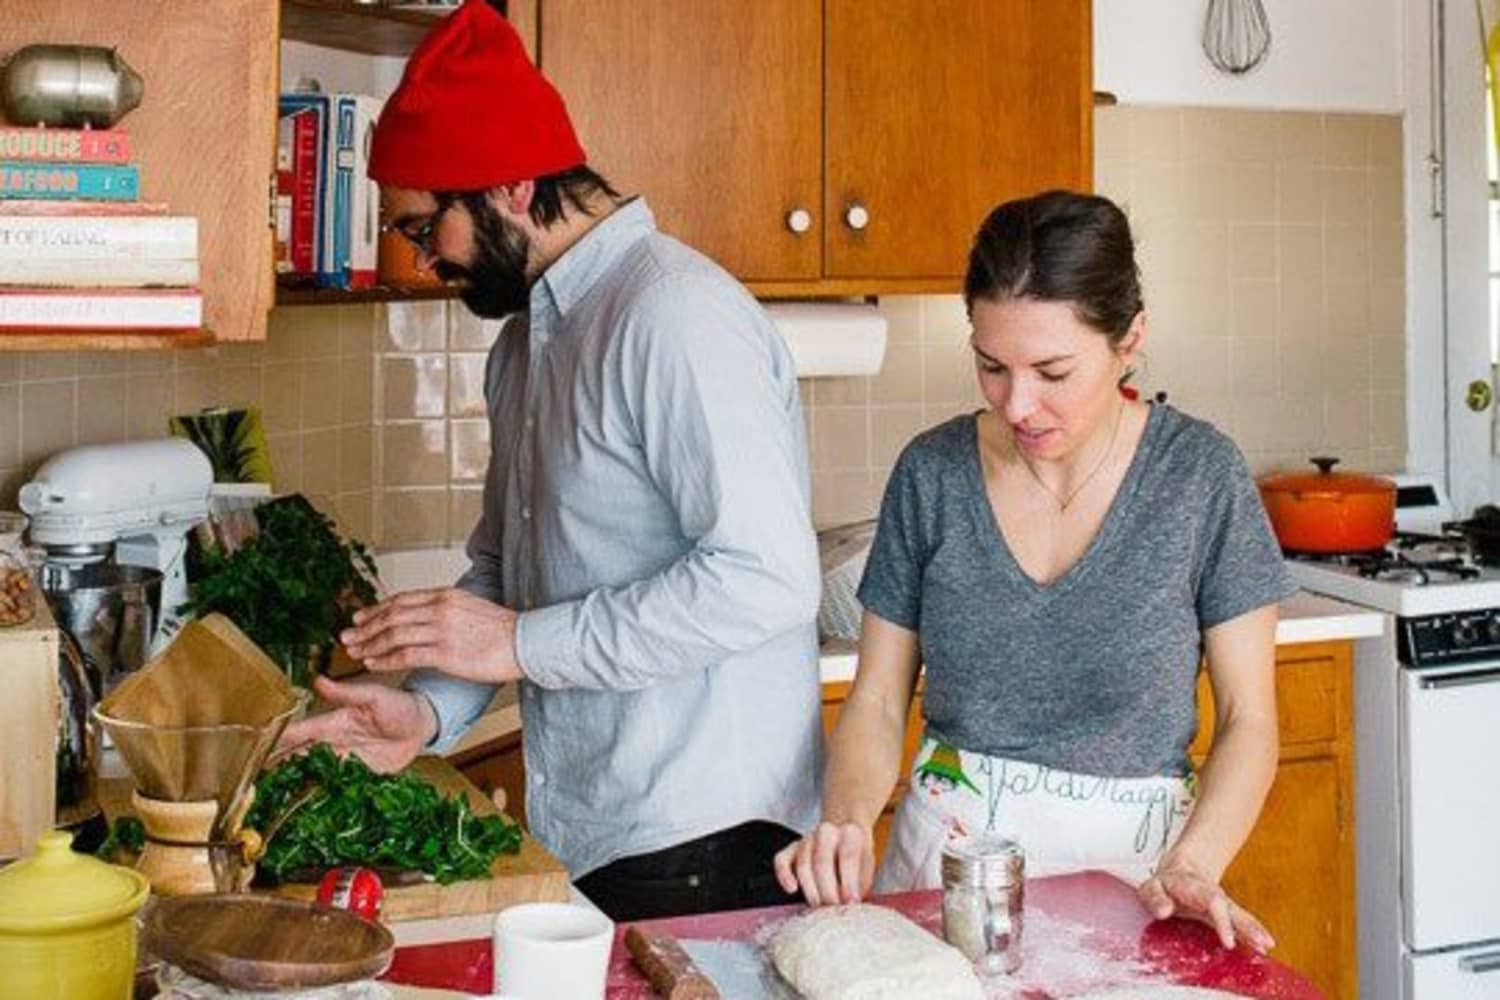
79 250
327 210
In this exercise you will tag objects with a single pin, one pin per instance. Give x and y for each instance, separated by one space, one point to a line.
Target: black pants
728 870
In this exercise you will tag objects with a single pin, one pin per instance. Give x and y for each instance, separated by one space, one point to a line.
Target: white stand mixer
135 501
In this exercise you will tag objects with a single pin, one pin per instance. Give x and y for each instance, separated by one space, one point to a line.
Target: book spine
31 238
64 145
100 309
305 208
364 237
19 179
82 207
336 196
120 272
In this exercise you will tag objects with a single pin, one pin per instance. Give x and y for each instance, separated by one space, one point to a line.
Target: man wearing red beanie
644 565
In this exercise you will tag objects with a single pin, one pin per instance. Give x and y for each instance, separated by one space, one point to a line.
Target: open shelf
104 340
351 296
375 29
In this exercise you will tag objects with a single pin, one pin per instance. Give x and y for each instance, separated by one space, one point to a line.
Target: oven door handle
1486 676
1488 961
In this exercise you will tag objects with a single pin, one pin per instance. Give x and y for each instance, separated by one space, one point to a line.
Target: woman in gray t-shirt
1060 563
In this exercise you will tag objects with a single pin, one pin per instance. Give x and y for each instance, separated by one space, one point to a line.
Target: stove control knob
1465 634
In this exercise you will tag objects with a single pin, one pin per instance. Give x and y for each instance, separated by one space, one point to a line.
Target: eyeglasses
421 235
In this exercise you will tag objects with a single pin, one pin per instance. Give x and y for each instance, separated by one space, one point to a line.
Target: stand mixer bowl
111 610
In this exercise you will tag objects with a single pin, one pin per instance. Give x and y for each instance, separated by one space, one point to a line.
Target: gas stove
1416 574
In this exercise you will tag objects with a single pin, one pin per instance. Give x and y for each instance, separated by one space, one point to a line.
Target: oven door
1450 756
1473 974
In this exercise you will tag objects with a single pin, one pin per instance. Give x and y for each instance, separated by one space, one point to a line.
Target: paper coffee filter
197 721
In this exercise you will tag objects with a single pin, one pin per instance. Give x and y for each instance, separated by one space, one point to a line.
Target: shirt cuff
547 649
456 703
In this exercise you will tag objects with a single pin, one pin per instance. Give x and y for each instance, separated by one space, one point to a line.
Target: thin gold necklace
1063 502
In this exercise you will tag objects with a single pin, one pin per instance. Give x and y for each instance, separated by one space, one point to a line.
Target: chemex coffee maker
112 522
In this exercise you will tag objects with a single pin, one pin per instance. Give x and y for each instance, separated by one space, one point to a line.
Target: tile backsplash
1271 247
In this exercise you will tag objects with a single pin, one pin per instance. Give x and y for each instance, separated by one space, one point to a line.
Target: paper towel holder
831 339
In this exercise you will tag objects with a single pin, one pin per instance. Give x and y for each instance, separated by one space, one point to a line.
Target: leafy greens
319 811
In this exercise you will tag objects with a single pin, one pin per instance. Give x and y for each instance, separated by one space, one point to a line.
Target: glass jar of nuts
17 588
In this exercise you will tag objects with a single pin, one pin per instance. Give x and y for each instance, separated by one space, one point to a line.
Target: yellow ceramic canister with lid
67 925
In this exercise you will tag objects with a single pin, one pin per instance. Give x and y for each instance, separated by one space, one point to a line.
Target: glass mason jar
17 585
984 891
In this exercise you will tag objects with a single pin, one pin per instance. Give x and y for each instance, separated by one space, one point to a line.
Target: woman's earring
1127 390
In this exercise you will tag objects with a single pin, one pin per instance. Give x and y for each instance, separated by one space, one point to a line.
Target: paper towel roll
831 338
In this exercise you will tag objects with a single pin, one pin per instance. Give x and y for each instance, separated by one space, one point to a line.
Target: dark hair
574 185
1059 246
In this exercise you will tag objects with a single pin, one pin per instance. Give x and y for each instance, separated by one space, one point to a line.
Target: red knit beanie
471 112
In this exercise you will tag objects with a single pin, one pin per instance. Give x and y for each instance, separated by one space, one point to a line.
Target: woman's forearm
1232 787
863 761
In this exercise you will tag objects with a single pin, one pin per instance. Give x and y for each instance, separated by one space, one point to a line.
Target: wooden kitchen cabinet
841 148
498 764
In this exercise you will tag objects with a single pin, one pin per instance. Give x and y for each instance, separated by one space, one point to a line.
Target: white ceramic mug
552 951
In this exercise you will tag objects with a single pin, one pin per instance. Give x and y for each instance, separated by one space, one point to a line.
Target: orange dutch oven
1327 512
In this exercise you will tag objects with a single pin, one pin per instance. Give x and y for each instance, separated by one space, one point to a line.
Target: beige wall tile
410 518
1387 193
414 454
1156 193
1254 309
846 391
281 397
320 462
1254 369
470 450
10 367
945 320
239 385
1346 252
196 389
356 458
415 326
49 365
357 390
843 495
466 384
1252 250
903 318
1299 252
415 386
467 332
841 437
1155 134
322 390
464 509
1299 138
1298 422
1112 133
284 328
1113 179
142 362
1346 195
891 429
243 353
286 461
1348 307
1346 363
1250 195
50 418
102 363
948 374
101 410
1347 139
357 326
1349 418
356 516
900 377
10 426
1301 314
1388 421
148 404
1299 193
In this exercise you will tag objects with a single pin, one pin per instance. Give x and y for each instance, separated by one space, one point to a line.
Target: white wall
1326 55
338 70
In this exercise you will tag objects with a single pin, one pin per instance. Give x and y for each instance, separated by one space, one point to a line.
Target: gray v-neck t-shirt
1095 672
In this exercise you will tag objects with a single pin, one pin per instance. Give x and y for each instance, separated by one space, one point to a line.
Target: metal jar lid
987 861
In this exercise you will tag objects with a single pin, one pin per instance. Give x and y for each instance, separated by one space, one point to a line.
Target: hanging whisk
1236 35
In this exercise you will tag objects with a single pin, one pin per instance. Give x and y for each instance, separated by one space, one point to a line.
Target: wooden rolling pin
670 969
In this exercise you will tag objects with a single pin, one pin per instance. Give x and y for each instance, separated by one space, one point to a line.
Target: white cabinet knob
799 220
856 216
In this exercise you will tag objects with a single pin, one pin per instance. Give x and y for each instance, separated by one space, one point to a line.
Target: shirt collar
570 277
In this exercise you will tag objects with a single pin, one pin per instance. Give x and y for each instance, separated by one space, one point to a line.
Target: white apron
1064 821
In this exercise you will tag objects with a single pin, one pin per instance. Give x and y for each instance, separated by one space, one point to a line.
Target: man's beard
495 282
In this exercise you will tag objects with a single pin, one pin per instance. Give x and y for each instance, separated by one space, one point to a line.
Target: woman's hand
1180 889
833 864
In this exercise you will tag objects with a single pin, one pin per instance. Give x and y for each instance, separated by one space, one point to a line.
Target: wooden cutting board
532 876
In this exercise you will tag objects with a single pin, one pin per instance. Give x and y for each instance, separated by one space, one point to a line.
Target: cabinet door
204 133
711 111
1294 873
937 112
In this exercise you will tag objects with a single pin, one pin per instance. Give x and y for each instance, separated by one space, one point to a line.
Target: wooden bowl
266 943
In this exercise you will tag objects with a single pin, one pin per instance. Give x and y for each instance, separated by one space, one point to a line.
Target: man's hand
1179 889
446 629
385 727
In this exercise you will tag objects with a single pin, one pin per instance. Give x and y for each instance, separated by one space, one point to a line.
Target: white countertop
1305 617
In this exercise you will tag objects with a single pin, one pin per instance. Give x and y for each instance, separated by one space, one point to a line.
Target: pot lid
1326 481
57 888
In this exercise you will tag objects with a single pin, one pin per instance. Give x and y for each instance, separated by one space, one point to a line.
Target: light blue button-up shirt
646 510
